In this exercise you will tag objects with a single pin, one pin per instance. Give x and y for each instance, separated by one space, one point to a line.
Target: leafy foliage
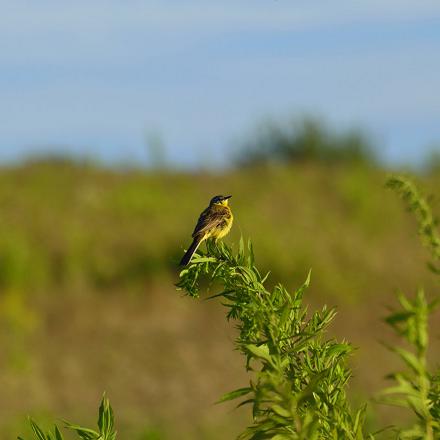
419 205
415 389
297 390
299 377
105 427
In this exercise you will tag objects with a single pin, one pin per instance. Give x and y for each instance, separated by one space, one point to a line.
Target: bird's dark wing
200 222
208 220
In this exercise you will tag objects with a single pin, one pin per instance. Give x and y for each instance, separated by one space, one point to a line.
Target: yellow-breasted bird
214 222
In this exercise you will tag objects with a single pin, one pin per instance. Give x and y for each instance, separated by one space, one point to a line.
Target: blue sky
98 78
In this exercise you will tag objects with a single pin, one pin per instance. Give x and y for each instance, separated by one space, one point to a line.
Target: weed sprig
299 377
105 427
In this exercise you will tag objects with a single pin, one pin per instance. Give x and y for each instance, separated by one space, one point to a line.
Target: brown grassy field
87 271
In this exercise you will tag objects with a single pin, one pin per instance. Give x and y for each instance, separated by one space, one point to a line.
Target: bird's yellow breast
225 227
220 233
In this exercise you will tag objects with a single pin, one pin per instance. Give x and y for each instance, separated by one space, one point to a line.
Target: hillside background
88 262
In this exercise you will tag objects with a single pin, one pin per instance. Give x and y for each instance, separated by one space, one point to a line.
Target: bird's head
219 200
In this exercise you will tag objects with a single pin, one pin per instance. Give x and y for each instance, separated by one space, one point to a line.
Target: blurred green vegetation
88 262
66 225
307 140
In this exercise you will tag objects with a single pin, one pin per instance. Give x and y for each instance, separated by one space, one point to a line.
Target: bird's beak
226 197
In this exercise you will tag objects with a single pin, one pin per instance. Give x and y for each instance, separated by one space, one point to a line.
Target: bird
214 222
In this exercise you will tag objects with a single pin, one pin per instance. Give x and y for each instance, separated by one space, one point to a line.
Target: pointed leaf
234 394
37 430
260 351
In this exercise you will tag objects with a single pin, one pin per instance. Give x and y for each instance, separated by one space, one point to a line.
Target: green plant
419 205
105 427
298 386
416 388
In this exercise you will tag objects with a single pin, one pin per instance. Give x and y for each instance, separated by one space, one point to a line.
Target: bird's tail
189 253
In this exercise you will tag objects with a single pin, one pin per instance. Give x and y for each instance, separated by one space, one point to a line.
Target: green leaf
281 411
37 430
309 390
241 247
260 351
196 259
359 422
84 433
410 360
339 349
58 435
264 279
105 418
398 317
235 394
